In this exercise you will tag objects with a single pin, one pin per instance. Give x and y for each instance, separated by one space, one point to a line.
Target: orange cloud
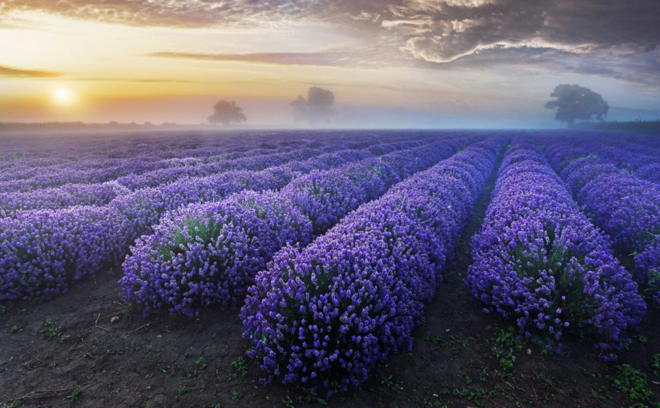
22 73
278 58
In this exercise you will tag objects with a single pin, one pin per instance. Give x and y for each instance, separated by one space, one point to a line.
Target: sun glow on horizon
64 97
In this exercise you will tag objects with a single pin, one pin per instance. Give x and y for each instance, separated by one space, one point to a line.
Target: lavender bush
68 195
650 172
323 316
42 252
204 254
539 260
626 207
648 266
322 198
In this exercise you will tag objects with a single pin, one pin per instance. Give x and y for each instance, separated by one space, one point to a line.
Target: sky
389 63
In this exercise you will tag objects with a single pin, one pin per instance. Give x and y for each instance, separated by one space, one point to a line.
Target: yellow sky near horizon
110 71
99 62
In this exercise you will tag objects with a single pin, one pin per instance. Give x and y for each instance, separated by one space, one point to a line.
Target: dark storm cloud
441 31
617 39
613 38
22 73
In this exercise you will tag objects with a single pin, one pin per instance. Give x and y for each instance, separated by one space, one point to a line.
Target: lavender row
100 194
145 157
538 259
187 168
209 253
641 160
626 207
255 163
43 151
145 207
41 252
150 178
324 316
97 169
97 194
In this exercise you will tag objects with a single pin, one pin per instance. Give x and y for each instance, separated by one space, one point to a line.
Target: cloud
374 55
22 73
613 38
281 58
606 38
195 13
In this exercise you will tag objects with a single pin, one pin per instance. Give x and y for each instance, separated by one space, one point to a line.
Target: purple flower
363 285
536 247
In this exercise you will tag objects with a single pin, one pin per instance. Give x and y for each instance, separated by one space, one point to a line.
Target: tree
226 113
318 106
577 103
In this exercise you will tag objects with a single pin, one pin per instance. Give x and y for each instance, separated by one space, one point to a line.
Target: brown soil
50 350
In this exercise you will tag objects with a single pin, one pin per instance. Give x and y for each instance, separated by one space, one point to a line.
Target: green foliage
391 384
633 384
196 231
181 391
288 402
31 304
241 366
75 394
656 365
653 286
508 339
602 394
14 404
642 339
505 360
4 309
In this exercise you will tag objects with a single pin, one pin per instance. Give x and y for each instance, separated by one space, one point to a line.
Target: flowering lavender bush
205 254
539 260
648 266
145 207
68 195
42 252
323 316
154 164
164 160
582 171
650 172
626 207
322 198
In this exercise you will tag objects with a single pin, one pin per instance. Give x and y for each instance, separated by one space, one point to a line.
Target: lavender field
341 268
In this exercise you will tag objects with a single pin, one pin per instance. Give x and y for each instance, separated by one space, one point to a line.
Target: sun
63 97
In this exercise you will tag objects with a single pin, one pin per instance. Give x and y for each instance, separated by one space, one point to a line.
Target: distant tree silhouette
577 103
318 106
227 113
